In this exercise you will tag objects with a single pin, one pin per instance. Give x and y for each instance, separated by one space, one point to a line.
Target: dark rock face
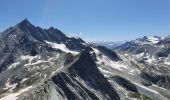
135 48
111 54
160 80
125 83
163 53
89 72
6 60
128 46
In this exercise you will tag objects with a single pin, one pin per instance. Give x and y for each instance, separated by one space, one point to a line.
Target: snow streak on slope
62 47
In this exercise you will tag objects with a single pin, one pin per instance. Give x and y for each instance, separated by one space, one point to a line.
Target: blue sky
93 20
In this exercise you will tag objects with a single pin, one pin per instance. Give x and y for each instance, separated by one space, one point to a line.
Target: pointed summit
25 26
25 22
51 28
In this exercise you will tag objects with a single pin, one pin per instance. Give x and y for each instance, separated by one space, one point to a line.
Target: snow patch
14 65
167 62
61 46
30 58
151 60
153 40
56 70
140 55
104 71
149 40
146 88
35 63
23 80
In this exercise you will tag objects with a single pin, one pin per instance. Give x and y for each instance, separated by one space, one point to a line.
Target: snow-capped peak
148 40
154 39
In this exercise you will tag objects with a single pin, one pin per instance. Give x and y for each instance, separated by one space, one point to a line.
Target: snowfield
61 46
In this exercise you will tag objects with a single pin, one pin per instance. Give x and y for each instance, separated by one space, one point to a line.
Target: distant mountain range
45 64
109 44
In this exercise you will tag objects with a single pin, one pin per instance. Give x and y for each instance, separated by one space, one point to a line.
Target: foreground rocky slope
45 64
78 79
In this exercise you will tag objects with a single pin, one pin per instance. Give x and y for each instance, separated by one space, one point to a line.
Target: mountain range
109 44
45 64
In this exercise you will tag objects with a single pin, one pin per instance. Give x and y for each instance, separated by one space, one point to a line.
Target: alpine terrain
45 64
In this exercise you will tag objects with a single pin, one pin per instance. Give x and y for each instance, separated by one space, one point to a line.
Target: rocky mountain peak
147 40
25 21
25 25
26 39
